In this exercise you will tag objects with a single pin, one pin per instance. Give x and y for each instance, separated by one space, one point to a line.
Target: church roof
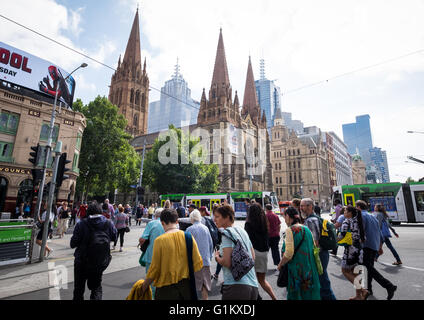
220 72
132 52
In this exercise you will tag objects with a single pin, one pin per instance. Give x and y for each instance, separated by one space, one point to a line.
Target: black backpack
181 212
97 250
213 230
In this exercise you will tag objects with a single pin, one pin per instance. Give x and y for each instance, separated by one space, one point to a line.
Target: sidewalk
23 278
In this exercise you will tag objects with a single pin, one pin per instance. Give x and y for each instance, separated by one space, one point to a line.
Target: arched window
137 97
135 122
132 96
143 100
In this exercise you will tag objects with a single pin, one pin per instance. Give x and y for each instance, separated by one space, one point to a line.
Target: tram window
419 200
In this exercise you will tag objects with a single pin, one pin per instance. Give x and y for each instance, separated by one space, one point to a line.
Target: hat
205 209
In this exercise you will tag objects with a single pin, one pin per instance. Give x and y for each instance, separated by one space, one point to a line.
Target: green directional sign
14 235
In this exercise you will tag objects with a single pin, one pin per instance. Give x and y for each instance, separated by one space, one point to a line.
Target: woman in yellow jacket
169 268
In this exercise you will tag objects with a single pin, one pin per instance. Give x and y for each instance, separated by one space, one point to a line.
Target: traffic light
35 156
140 191
61 170
37 175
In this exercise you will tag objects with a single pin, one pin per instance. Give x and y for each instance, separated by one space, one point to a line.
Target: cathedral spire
220 72
132 52
250 100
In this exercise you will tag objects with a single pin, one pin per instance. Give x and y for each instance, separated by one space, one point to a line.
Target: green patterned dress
303 277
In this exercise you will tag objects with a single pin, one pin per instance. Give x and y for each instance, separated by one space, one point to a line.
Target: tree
192 177
409 180
107 160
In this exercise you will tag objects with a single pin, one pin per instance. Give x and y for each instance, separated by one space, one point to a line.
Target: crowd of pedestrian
178 260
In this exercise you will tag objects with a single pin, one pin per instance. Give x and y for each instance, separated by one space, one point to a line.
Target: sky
303 42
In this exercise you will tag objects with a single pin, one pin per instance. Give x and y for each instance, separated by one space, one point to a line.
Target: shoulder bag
241 261
189 245
283 276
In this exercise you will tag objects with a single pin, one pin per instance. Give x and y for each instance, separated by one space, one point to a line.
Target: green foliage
409 180
107 160
179 178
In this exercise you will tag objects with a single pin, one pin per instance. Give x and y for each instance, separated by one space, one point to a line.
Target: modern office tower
342 161
357 136
291 124
174 107
269 96
379 161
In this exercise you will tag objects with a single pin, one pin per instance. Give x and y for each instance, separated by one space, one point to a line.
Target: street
36 282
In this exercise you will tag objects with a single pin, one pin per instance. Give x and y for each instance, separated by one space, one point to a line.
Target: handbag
241 261
189 245
141 261
283 276
346 240
127 229
144 246
318 261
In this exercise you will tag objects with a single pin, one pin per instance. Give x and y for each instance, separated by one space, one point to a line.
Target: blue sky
302 41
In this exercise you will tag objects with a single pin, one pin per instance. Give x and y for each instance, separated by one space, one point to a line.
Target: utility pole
141 175
50 200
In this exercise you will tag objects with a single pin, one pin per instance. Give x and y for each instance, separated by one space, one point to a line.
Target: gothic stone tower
129 88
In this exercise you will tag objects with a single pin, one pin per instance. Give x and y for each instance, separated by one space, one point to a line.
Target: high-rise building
379 161
295 125
357 137
175 105
269 96
129 87
342 161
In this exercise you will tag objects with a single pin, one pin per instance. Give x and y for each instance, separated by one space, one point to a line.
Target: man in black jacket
81 237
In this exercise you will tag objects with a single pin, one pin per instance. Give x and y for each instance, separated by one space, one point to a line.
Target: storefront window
3 193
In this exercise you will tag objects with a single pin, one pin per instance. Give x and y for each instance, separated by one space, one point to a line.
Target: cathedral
129 88
239 141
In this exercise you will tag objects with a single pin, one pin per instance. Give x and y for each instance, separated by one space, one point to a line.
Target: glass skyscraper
175 106
269 96
357 137
379 160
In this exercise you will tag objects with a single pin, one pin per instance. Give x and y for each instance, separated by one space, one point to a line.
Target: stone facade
300 165
129 88
24 121
358 170
220 117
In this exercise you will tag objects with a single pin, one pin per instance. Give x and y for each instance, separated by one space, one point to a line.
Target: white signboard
232 139
26 70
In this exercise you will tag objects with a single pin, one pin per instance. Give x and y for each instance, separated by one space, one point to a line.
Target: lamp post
47 155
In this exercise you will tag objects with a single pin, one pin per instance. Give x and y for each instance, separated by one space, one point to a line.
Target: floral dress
303 277
353 254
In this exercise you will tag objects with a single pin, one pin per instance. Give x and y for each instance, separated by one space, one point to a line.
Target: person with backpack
315 225
246 287
257 227
121 225
91 238
372 246
181 211
204 242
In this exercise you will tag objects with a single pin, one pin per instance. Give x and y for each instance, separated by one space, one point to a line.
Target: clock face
293 143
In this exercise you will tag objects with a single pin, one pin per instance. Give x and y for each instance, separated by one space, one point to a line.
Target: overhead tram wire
88 57
284 93
353 71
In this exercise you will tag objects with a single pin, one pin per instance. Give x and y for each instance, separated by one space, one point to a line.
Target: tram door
196 203
213 201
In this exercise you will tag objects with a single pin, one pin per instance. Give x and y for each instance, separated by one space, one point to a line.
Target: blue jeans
391 248
326 292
